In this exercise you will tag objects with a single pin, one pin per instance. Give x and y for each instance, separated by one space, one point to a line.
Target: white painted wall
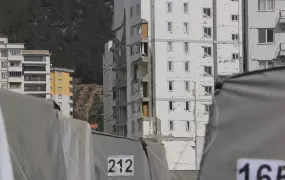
258 19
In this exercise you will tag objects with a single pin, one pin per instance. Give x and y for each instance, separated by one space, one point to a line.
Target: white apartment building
163 54
109 96
265 35
11 65
36 70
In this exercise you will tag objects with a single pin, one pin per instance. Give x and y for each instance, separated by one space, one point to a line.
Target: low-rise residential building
61 89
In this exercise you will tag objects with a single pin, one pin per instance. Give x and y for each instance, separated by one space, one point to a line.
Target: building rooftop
36 52
61 69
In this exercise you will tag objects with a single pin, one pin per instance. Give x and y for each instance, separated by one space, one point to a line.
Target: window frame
169 125
207 32
206 90
185 107
169 7
170 105
186 47
187 86
170 65
169 46
188 126
169 26
235 37
131 11
170 83
185 27
187 64
205 72
187 8
266 35
206 48
233 17
266 6
234 54
205 15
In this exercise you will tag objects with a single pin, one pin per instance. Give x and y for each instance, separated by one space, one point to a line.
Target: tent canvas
248 121
30 130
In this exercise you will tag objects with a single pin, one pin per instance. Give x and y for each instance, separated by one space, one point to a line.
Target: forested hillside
73 30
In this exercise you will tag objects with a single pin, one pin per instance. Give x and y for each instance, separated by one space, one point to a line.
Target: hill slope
73 30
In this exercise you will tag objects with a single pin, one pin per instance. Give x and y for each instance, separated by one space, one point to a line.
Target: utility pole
245 34
215 46
196 125
87 113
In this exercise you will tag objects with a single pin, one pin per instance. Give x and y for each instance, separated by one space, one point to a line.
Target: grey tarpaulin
157 160
78 149
32 132
248 121
106 145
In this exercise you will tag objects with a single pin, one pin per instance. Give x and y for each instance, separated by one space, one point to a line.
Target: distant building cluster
30 72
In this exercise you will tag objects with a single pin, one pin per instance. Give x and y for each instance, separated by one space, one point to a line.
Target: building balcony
280 53
282 16
35 89
15 58
15 68
16 79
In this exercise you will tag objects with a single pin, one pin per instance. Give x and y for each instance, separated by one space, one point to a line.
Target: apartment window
133 127
138 9
187 124
169 7
60 104
171 105
60 96
235 37
169 47
169 27
207 51
266 5
208 70
171 125
59 81
208 108
170 85
186 66
4 64
59 89
4 75
170 66
186 27
206 12
265 35
235 56
59 74
132 11
234 0
132 50
234 17
186 47
208 90
132 31
185 7
207 32
133 108
140 125
15 52
187 85
187 106
15 74
4 53
265 64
